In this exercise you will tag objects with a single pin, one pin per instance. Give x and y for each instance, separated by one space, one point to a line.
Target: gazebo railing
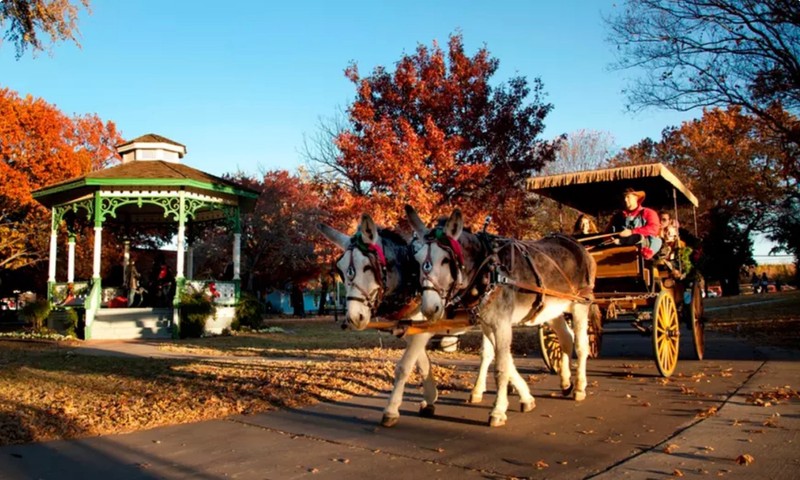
69 293
224 293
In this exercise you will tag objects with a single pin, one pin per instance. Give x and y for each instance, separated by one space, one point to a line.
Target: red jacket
652 224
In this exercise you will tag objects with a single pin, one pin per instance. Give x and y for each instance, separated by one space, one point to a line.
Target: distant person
637 224
755 282
764 283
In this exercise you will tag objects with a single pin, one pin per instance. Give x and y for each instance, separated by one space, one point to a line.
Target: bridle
377 262
453 249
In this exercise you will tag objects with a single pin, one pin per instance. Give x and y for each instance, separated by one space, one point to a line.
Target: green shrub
36 313
70 322
195 309
248 312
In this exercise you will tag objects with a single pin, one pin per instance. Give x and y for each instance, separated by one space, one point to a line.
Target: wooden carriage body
649 294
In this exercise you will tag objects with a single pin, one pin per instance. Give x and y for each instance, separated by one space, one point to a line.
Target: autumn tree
698 53
578 150
37 24
733 164
40 145
277 237
437 134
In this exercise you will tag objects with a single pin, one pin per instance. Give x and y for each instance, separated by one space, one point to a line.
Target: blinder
377 263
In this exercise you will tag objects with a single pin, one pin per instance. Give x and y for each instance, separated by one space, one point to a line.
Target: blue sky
242 86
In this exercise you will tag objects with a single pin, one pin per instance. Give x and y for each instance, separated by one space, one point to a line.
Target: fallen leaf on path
709 412
677 473
541 464
670 448
745 459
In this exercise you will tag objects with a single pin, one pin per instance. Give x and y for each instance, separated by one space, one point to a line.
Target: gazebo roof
150 138
156 174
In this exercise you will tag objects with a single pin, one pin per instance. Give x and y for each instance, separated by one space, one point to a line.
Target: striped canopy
600 191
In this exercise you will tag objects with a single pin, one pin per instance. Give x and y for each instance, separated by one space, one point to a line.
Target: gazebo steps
131 323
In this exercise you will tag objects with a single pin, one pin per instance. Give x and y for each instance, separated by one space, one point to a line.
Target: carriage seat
618 261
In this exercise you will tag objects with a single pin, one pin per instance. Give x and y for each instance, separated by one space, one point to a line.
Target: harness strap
543 290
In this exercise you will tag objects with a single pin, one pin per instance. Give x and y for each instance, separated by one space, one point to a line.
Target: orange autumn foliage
40 146
436 134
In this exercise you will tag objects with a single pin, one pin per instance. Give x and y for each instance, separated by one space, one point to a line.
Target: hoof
389 422
526 407
428 411
496 421
475 398
580 395
568 391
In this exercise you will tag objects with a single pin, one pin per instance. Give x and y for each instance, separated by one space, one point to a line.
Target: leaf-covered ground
47 391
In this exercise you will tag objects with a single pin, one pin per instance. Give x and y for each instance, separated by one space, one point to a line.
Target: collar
634 212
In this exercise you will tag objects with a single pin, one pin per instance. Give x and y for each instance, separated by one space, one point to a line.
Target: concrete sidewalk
343 440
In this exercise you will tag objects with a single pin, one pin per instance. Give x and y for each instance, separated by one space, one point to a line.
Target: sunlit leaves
436 133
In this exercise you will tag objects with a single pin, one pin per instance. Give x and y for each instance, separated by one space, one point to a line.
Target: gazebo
150 187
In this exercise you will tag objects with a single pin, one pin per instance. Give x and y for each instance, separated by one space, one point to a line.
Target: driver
636 224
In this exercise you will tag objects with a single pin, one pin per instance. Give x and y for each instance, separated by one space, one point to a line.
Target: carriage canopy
599 191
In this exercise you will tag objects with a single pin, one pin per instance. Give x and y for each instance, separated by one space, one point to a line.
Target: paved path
625 428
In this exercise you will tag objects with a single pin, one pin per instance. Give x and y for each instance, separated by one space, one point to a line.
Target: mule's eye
445 261
367 268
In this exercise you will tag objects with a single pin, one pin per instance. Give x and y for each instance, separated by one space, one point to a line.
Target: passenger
637 225
584 225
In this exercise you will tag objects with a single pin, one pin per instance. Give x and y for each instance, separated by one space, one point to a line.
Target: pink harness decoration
374 247
456 247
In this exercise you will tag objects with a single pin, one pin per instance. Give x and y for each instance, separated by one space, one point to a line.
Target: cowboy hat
637 193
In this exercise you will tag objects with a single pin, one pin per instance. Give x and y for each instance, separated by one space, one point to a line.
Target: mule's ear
335 236
454 225
369 232
415 221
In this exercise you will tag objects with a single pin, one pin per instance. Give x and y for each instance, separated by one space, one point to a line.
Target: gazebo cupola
151 147
151 187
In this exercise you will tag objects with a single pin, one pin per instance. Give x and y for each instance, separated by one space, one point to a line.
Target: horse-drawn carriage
651 294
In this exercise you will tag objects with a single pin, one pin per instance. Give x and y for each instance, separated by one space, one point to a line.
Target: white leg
580 316
526 401
566 340
415 347
503 367
429 392
487 355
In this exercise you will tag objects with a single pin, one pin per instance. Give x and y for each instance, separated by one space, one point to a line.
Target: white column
71 259
126 261
179 255
51 271
189 263
98 248
237 254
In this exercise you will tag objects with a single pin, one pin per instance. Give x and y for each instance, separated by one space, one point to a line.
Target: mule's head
361 270
441 261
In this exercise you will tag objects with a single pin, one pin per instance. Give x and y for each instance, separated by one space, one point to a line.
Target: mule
505 282
381 278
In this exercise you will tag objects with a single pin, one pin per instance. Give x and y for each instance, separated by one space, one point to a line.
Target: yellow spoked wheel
595 331
666 333
696 322
550 348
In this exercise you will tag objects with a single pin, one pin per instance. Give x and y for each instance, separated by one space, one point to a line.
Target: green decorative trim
109 205
146 182
59 211
98 208
233 217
